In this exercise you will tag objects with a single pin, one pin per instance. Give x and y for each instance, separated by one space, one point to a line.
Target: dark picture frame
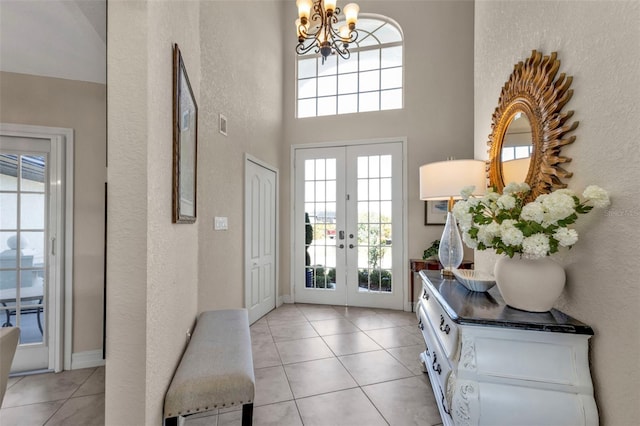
435 212
185 143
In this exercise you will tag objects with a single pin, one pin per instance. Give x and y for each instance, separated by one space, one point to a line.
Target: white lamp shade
304 8
445 179
515 170
351 13
330 4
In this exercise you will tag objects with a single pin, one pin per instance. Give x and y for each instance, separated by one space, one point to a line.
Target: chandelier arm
301 49
335 33
344 52
334 17
353 35
317 8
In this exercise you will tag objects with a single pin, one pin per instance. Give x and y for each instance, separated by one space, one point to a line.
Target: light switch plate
220 223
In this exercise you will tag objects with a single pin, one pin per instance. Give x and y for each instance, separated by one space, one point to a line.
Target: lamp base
450 251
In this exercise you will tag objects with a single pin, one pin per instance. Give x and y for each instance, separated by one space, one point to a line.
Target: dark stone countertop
467 307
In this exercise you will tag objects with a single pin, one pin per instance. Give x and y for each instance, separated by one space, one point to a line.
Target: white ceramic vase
531 285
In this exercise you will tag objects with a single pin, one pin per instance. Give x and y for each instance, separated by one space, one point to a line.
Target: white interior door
349 208
28 267
261 190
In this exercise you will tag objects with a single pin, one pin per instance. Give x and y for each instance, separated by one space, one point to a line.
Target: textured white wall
125 371
242 79
437 118
599 45
152 263
172 249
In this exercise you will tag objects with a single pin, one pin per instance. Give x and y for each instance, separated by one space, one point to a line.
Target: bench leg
247 414
171 421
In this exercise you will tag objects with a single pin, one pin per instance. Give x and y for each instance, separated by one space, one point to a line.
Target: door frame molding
405 205
247 225
62 147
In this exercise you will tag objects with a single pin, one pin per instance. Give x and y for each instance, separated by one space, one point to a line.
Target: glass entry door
348 205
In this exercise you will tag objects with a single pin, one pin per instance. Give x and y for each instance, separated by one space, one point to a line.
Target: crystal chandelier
316 30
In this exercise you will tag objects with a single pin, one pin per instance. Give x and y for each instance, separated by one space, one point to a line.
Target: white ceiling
54 38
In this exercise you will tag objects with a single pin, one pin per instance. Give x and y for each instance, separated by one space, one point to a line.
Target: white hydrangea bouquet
536 229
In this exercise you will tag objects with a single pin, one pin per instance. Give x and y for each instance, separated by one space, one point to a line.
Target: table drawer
445 330
436 362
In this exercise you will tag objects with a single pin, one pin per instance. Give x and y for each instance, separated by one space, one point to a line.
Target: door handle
351 246
341 235
341 246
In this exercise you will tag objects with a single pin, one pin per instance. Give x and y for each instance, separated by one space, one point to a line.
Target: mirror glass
517 147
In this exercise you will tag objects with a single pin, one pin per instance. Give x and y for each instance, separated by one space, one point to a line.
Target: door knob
341 246
351 246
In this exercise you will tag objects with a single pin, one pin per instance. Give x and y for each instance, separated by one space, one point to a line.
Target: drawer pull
444 328
444 406
437 369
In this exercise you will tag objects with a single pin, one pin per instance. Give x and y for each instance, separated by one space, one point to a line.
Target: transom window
370 80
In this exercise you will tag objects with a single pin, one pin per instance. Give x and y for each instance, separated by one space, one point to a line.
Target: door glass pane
31 211
34 246
32 173
9 206
330 172
8 167
374 224
320 223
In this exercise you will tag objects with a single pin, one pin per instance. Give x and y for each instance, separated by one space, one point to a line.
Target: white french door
349 225
28 268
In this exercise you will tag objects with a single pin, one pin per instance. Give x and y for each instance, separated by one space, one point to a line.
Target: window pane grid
371 80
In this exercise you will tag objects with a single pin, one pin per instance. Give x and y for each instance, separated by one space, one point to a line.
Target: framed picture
185 143
435 212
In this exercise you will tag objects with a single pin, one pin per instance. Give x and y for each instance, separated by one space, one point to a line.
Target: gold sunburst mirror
529 128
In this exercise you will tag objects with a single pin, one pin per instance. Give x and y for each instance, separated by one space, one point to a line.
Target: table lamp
443 180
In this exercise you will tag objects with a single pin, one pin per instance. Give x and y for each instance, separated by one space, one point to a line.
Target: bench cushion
216 369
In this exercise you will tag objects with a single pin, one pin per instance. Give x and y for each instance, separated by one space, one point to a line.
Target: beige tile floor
69 398
314 365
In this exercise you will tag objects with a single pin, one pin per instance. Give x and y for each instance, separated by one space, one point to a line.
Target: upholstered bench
216 370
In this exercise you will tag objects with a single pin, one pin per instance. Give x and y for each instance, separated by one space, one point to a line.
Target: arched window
370 80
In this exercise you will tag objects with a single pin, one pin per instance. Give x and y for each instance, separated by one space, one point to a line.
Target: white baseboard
286 298
86 359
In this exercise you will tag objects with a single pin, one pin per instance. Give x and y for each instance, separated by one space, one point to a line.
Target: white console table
490 364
